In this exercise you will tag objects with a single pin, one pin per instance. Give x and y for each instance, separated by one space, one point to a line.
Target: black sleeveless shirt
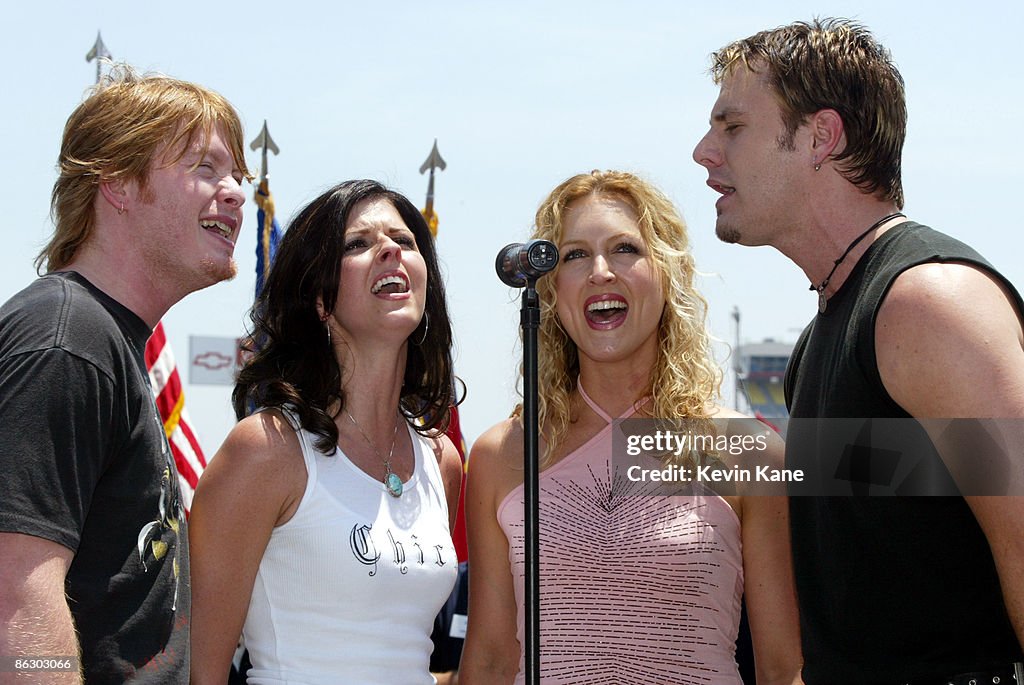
891 588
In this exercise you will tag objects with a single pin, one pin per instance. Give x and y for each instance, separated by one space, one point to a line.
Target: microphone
519 262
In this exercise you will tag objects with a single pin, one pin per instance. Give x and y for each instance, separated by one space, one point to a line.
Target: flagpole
434 161
99 53
264 142
267 234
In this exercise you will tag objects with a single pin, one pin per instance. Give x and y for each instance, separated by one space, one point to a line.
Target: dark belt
1010 675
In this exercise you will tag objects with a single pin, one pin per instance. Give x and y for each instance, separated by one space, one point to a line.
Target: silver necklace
391 480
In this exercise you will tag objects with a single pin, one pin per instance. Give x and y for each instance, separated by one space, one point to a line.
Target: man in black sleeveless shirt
805 148
94 566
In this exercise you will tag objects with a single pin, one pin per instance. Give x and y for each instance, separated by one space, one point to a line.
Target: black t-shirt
892 588
85 463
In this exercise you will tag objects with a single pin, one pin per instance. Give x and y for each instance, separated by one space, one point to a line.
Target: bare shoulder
496 460
753 448
501 444
263 444
262 438
939 294
718 411
261 458
948 341
765 439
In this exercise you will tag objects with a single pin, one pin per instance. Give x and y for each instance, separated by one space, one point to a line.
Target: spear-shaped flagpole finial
99 53
265 142
434 161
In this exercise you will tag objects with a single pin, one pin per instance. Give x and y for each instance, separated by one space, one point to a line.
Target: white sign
213 361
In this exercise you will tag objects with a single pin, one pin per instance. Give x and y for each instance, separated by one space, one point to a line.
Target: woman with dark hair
321 529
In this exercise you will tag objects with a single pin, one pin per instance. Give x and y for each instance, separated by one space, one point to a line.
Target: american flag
170 401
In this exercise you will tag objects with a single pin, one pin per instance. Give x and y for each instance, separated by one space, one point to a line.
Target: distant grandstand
760 373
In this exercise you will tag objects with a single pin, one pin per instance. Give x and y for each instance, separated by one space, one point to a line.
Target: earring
426 327
327 327
817 164
120 210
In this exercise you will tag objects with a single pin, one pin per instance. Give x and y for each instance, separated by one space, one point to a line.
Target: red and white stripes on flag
170 401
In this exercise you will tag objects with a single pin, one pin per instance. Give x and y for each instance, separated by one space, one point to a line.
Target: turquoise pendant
393 484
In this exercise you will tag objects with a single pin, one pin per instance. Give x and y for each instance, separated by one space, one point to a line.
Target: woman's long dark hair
292 360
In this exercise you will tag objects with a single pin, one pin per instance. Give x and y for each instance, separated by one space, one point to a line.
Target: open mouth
723 189
607 311
390 285
218 227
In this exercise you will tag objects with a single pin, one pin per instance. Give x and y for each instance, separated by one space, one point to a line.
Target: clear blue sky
520 96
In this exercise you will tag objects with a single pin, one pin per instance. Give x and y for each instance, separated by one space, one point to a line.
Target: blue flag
268 233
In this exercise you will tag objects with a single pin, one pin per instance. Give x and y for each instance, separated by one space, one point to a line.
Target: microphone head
521 262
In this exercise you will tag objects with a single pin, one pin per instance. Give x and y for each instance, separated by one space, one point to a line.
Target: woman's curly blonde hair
685 377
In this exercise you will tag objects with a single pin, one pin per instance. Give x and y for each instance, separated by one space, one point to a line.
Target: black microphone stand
529 319
520 265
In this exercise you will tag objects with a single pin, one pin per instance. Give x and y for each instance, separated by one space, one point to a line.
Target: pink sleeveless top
634 587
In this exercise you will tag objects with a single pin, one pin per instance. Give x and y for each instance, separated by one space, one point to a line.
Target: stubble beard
209 272
218 271
726 232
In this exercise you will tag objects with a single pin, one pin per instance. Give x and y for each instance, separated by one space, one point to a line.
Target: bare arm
35 620
253 483
768 585
1002 519
491 652
949 345
770 591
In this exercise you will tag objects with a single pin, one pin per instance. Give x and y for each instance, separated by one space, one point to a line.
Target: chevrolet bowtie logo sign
213 360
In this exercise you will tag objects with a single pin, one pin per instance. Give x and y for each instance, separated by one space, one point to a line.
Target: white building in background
760 374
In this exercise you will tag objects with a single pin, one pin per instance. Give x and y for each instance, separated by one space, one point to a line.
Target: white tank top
348 588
